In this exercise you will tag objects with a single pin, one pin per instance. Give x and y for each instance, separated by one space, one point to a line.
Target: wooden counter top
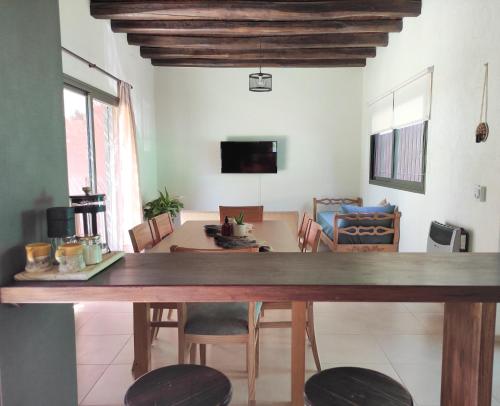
386 277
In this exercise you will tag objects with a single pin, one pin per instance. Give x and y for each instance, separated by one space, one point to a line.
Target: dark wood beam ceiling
278 42
219 33
254 10
254 28
256 54
318 63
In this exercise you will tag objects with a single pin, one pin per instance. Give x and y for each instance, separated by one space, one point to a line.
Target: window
89 118
397 158
399 122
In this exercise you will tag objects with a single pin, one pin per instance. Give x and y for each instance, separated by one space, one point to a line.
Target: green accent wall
37 342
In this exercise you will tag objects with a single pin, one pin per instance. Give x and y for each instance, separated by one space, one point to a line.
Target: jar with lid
92 252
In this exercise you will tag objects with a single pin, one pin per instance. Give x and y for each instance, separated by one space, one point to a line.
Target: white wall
94 40
313 113
457 37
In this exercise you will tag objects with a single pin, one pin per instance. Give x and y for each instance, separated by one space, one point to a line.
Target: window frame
405 185
91 93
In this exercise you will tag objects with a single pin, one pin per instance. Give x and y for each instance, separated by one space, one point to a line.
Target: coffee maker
90 217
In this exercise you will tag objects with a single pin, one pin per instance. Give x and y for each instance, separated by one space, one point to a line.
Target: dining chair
312 237
301 233
310 244
142 239
162 226
219 323
252 214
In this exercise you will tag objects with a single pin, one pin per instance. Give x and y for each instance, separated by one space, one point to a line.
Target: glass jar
92 252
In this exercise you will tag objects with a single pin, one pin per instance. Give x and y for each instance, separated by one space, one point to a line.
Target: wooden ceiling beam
255 28
278 42
237 63
256 54
254 10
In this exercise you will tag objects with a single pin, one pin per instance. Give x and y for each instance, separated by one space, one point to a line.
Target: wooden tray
86 273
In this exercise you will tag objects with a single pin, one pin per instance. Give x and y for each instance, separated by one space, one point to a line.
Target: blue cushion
325 220
366 239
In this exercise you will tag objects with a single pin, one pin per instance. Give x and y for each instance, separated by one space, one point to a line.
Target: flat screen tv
249 157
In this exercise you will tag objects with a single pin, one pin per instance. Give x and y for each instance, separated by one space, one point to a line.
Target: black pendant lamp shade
260 82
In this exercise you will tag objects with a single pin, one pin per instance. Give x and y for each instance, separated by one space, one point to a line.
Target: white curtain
124 202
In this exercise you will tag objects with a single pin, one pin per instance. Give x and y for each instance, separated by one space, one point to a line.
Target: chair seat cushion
217 318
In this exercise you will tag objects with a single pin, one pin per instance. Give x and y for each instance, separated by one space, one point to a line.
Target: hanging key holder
482 130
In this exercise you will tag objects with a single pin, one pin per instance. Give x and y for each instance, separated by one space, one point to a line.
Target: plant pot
240 230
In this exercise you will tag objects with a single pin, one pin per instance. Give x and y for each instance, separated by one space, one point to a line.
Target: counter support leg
298 352
468 345
142 340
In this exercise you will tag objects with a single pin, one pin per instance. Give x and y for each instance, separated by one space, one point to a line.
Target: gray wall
37 343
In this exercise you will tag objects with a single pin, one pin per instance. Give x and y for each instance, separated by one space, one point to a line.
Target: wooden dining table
468 284
276 234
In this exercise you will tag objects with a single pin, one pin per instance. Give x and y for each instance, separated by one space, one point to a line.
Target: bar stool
180 385
348 386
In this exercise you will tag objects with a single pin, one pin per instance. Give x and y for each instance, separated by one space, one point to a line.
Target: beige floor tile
87 376
111 387
344 348
394 323
411 348
432 322
341 322
425 308
81 318
99 349
422 380
105 307
384 368
108 323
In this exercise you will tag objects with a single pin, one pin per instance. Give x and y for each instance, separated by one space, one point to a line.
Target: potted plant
240 228
163 204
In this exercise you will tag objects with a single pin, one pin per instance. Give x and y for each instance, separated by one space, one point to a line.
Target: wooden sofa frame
359 230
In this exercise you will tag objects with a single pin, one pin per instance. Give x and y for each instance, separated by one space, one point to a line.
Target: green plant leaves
239 219
162 204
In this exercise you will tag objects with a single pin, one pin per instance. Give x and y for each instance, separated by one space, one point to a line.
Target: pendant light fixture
260 82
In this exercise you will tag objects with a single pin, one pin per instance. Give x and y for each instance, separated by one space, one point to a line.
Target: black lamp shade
260 82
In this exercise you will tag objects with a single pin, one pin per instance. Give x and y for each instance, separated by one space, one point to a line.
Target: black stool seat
180 385
350 386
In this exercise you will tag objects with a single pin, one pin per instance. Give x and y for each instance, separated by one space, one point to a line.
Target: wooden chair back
162 226
367 231
312 237
176 248
334 204
141 237
252 214
303 225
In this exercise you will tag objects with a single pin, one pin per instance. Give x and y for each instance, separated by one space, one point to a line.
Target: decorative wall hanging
482 129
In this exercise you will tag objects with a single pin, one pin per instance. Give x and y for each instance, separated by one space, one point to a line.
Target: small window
397 158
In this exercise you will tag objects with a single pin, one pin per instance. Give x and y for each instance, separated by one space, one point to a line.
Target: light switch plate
480 193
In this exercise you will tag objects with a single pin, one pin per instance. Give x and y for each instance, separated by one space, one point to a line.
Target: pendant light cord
260 52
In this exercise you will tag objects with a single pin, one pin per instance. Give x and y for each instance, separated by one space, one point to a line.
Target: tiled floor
401 340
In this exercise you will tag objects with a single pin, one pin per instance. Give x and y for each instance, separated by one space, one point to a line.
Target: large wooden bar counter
469 284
